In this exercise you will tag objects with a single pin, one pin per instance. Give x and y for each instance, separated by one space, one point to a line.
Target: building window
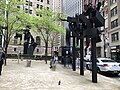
114 23
47 8
48 1
30 11
18 7
27 2
103 13
41 0
38 40
115 36
26 10
41 6
103 3
37 50
113 1
37 5
37 14
106 12
30 4
40 15
114 11
14 49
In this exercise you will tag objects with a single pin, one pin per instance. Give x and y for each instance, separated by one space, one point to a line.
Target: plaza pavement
39 77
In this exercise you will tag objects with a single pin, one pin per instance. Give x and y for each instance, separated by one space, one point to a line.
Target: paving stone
40 77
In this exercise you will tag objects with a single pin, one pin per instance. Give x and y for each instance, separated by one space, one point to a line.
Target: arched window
38 40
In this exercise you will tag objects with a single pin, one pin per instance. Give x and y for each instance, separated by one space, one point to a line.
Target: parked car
106 65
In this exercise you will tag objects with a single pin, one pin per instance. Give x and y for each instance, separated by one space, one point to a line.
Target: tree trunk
46 49
51 49
5 63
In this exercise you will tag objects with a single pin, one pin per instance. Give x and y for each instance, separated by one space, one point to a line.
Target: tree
53 36
9 20
45 26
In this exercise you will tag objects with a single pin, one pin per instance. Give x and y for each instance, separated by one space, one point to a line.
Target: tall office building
114 28
103 46
57 7
70 8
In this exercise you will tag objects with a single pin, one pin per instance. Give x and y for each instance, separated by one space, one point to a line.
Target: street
115 77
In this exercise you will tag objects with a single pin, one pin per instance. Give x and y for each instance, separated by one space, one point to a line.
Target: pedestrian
77 59
56 55
66 59
53 61
2 57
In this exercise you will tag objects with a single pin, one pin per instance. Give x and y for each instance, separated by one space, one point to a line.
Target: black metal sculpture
86 25
28 47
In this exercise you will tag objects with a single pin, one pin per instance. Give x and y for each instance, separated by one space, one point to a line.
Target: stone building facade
114 28
31 6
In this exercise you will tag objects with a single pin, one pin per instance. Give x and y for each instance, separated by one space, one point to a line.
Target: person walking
77 59
53 61
2 57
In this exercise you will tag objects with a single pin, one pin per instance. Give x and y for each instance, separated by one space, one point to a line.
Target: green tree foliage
9 19
47 25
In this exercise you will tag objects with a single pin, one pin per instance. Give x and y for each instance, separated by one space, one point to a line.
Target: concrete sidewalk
39 77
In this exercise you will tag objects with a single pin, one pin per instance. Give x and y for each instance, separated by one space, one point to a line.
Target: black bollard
59 82
81 55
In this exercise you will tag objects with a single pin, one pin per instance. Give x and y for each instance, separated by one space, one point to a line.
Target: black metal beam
74 56
81 55
93 58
